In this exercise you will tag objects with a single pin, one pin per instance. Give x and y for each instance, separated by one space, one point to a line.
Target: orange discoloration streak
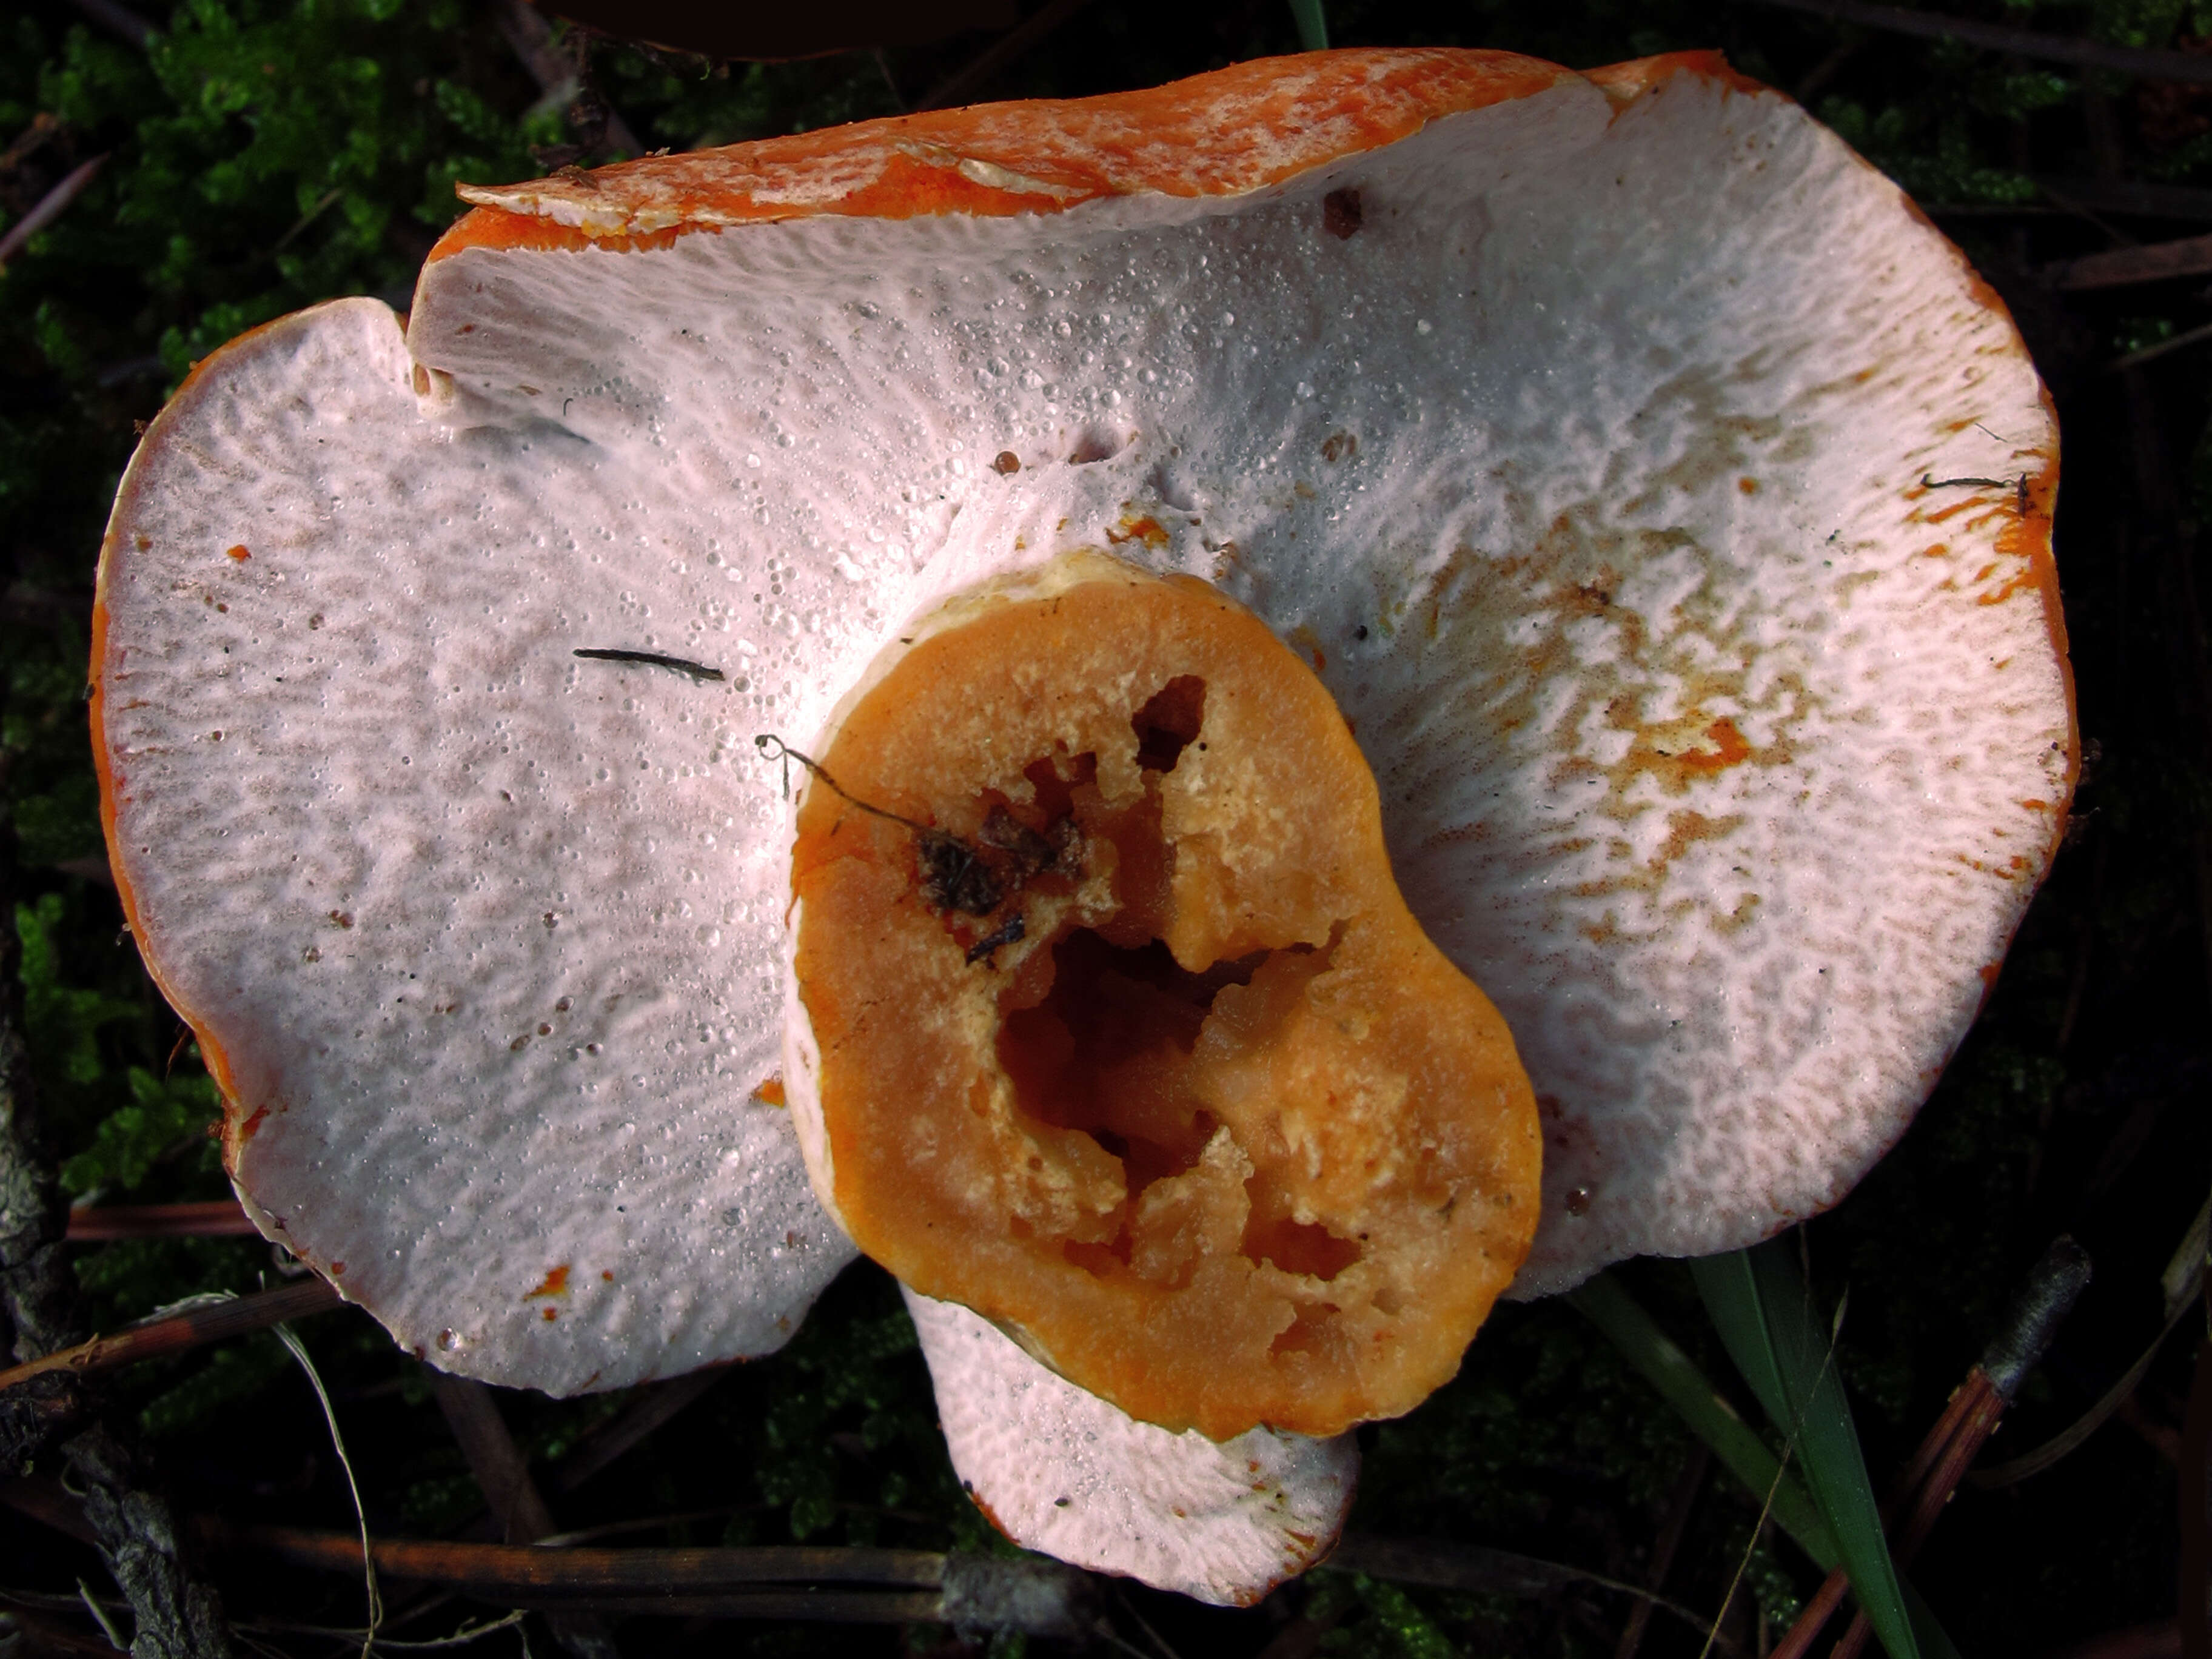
769 1089
987 1512
1683 828
1035 156
555 1283
1624 83
1146 530
495 229
114 781
1729 749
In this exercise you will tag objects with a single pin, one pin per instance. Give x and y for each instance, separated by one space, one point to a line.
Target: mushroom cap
1059 1469
1614 445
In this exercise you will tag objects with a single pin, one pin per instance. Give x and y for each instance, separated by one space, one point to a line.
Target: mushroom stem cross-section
1217 1131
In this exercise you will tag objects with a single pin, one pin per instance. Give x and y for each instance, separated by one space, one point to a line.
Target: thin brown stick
1971 1427
180 1333
118 20
531 37
774 1582
2086 195
1933 1451
46 1500
1679 1507
472 1413
823 1606
1930 1450
49 208
49 1634
218 1218
653 1407
520 1570
33 138
1966 1421
1813 1617
2121 267
2143 63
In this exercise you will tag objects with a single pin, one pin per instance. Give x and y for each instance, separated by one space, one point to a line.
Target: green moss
167 1117
62 1022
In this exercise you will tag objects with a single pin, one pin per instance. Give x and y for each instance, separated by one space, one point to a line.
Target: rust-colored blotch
1127 1040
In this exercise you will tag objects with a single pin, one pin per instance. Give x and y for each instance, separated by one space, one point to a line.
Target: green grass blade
1934 1642
1603 1302
1764 1314
1313 27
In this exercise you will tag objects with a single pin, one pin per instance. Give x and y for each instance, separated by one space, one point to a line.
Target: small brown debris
1006 462
1338 447
238 552
1339 213
1146 530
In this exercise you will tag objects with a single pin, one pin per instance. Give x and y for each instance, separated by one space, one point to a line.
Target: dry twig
49 208
179 1333
1042 1597
218 1218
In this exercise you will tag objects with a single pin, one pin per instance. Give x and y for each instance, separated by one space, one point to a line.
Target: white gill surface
473 922
1586 470
1058 1469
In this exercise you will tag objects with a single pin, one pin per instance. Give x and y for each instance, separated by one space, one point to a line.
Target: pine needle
291 1340
100 1616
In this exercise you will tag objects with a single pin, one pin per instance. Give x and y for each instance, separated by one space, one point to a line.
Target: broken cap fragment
1060 1470
1619 474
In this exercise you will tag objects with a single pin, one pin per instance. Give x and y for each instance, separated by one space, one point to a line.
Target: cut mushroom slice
1111 1025
1060 1470
1665 505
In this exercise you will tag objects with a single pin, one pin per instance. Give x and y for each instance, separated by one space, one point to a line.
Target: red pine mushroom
1663 504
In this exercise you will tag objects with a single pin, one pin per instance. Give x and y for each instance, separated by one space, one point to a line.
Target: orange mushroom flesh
1126 1039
